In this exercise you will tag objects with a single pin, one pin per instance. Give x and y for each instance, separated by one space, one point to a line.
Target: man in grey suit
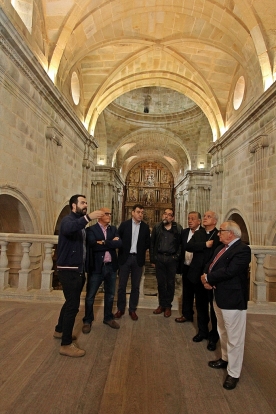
135 236
227 274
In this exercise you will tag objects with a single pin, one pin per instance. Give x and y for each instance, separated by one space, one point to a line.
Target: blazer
95 252
230 276
184 242
143 242
201 253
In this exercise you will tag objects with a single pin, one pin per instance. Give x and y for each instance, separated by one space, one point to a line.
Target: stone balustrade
25 271
259 278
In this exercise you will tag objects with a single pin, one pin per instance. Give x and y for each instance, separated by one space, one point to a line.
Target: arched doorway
15 218
239 220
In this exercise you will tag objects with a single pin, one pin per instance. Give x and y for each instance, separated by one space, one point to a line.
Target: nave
146 367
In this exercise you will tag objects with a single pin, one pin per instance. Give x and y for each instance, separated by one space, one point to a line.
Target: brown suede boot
71 350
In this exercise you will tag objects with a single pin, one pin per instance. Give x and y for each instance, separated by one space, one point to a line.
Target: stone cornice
259 142
14 47
266 101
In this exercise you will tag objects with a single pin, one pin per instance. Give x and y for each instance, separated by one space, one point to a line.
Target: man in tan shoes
70 265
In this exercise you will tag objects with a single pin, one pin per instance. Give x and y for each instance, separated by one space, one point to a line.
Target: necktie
220 253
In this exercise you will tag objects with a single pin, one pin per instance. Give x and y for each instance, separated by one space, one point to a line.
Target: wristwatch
103 241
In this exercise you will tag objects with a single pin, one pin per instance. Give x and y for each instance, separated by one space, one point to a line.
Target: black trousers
204 300
188 295
130 267
72 284
165 268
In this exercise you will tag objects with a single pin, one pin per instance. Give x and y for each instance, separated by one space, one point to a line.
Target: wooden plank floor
147 367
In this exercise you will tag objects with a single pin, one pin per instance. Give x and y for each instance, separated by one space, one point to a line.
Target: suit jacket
95 252
230 276
201 253
143 242
184 242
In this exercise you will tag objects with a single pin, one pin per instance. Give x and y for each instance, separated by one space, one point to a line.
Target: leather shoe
182 319
158 310
86 328
230 382
133 315
167 312
211 346
198 338
118 314
219 363
113 324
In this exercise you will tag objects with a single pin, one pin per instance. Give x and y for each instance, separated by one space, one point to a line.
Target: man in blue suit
227 274
135 235
102 264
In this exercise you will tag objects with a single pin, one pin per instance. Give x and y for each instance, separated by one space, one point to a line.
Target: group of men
213 263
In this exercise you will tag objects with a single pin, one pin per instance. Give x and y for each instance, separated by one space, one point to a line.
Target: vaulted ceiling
185 56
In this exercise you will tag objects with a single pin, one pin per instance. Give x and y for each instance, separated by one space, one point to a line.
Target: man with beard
165 252
71 253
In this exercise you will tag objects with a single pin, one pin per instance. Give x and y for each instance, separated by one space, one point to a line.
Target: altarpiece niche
151 184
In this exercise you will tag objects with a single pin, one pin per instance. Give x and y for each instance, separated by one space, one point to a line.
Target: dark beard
81 211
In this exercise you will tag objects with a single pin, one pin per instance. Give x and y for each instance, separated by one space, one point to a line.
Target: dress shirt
107 255
134 238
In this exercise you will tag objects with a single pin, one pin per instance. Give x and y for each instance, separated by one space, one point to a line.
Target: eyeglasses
221 230
108 214
168 214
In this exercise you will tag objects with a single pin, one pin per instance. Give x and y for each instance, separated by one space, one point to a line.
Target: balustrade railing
258 277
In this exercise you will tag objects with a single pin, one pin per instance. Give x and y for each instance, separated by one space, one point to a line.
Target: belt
133 254
106 263
167 254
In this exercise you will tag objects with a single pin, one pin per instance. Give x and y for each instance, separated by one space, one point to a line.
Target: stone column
259 283
24 281
47 270
4 262
258 148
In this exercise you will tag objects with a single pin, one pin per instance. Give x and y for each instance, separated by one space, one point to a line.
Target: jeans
165 268
72 284
130 267
94 281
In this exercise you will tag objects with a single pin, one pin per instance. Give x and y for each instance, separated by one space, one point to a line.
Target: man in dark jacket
164 255
202 245
70 265
227 274
194 220
135 235
102 265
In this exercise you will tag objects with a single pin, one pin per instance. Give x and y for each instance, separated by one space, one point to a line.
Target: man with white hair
226 273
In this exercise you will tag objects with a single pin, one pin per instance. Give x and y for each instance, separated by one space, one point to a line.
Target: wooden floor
146 367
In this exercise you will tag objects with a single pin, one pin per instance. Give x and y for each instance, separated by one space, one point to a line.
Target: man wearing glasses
165 252
102 264
202 245
227 273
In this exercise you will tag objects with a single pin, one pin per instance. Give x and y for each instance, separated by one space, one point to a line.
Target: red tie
220 253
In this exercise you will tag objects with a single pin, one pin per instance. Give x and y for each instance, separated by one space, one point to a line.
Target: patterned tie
220 253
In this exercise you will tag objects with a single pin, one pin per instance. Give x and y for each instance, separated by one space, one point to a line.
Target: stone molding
259 142
53 134
16 50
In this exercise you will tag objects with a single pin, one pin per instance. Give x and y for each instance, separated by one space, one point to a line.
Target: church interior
167 103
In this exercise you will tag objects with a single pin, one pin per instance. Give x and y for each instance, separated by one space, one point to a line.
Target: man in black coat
194 220
102 264
165 252
135 236
227 275
202 245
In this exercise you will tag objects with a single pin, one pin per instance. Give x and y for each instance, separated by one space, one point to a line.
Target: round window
239 92
75 88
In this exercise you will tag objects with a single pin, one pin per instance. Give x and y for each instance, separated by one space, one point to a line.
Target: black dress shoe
219 363
211 346
198 338
230 382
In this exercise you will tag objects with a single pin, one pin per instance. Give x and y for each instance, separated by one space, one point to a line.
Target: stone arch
236 216
14 204
18 216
